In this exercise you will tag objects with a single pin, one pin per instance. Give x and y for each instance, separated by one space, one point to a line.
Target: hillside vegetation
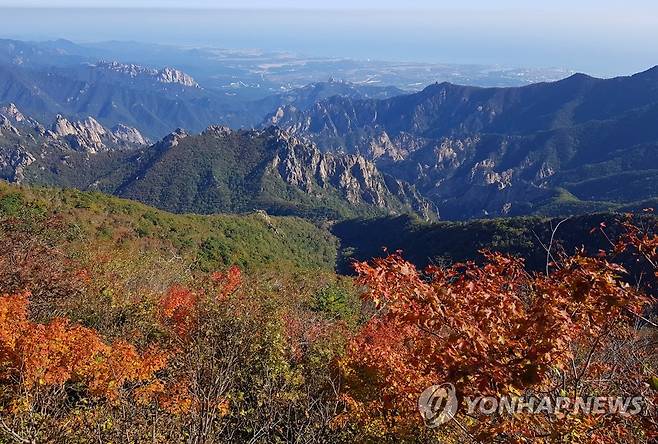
94 221
121 323
443 243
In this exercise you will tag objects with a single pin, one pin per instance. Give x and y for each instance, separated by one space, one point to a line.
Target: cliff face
356 179
25 143
91 137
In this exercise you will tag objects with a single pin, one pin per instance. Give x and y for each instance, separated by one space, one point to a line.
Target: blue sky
601 37
564 6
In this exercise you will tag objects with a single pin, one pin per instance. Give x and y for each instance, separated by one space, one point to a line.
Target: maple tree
495 329
37 359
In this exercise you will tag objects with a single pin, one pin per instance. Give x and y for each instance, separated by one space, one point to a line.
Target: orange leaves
487 329
178 310
13 319
174 398
59 352
228 282
177 399
179 306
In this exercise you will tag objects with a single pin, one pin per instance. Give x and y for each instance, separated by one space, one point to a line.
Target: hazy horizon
595 40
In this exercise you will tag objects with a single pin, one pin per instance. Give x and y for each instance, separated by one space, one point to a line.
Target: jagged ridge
566 146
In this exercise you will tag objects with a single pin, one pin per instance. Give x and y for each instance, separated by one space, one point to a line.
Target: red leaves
487 329
228 282
178 310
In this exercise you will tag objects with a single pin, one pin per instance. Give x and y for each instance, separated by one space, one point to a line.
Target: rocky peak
173 139
90 136
129 135
17 119
218 131
86 135
171 75
12 113
277 116
63 127
164 75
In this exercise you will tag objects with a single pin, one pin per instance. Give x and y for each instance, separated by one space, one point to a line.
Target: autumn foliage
59 352
121 342
496 329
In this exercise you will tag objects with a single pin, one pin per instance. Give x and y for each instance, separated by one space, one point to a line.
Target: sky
260 4
601 37
557 5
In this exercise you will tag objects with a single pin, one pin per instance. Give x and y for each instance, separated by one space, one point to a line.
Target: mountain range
218 170
51 78
576 145
328 150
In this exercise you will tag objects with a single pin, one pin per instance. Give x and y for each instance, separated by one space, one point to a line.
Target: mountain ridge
482 152
218 170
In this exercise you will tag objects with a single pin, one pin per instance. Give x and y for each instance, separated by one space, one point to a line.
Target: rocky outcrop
13 120
12 113
91 137
172 139
484 173
218 131
14 161
6 127
409 195
170 75
357 180
164 75
128 135
85 135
